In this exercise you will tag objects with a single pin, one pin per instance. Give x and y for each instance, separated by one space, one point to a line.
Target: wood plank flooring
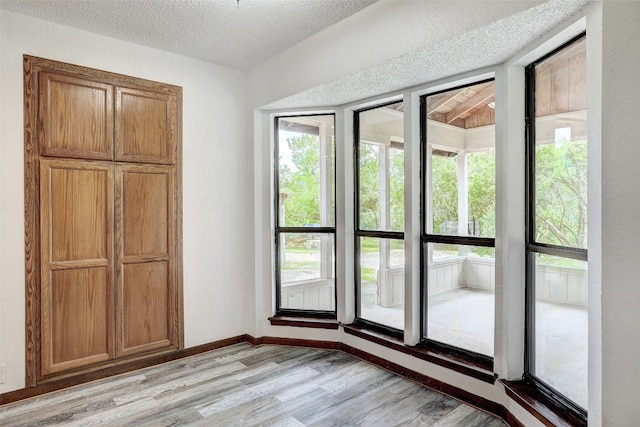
242 385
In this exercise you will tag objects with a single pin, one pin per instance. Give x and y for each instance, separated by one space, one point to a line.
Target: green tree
561 194
481 187
369 194
444 191
301 183
396 189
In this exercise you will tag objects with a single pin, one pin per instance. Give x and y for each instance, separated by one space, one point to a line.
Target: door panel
145 126
76 117
145 258
76 220
79 312
145 306
78 203
145 211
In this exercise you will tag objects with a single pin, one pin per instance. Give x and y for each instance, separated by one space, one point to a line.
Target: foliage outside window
380 216
305 228
459 195
557 274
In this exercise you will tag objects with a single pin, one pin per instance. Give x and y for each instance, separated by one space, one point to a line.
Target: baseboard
479 402
424 380
70 381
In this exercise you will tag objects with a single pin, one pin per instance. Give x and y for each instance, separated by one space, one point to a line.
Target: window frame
360 233
426 238
281 230
532 247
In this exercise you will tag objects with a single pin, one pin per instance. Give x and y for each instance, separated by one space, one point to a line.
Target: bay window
305 215
379 221
556 357
458 167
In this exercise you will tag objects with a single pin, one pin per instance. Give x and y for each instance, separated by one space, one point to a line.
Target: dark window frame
358 232
533 247
281 230
427 238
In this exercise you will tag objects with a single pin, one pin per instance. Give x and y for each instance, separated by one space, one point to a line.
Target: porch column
326 190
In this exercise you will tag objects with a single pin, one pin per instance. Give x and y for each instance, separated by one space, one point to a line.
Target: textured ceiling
492 44
239 35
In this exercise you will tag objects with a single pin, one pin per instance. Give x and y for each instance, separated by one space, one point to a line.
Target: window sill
304 322
549 412
479 370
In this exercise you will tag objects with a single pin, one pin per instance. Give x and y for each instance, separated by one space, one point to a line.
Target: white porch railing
554 284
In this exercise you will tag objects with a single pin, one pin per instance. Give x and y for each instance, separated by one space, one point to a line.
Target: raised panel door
145 258
76 117
145 126
76 220
103 255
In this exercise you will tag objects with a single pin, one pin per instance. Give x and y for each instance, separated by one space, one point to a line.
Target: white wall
383 31
620 207
218 238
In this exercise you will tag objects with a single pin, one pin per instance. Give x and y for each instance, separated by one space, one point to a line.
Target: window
458 256
379 221
557 224
305 215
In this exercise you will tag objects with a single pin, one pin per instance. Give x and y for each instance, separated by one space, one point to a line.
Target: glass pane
481 173
561 149
382 281
306 171
460 296
381 168
307 271
396 189
460 169
444 194
369 189
561 330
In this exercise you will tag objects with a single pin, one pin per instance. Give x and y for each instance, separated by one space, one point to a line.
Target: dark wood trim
519 392
298 342
455 392
378 329
479 370
547 411
424 380
32 224
179 253
253 341
59 384
304 322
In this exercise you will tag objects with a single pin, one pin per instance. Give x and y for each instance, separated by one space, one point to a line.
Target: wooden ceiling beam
434 102
484 96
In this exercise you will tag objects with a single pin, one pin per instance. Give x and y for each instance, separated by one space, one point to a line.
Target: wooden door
103 254
145 126
76 117
76 220
145 259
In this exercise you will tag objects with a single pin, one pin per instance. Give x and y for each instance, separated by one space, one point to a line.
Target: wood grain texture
145 126
69 113
76 117
76 220
560 82
243 385
31 223
145 259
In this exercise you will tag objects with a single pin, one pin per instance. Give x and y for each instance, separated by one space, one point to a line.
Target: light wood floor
243 386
